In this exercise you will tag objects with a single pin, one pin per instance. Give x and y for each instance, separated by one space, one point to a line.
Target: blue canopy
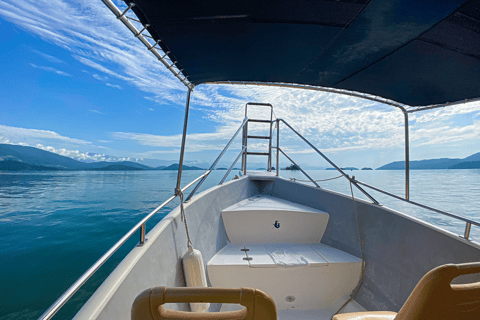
412 51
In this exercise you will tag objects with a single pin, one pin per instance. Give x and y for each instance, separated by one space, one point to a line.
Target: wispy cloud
95 111
50 69
48 57
83 156
98 77
447 134
16 135
195 142
114 86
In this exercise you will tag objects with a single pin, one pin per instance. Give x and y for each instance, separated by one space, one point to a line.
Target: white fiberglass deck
275 247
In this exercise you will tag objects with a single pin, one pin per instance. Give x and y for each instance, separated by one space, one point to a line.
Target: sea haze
56 224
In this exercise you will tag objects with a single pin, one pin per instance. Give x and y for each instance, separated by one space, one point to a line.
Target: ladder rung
259 137
259 153
258 120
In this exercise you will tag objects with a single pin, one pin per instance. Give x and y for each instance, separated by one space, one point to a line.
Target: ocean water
55 225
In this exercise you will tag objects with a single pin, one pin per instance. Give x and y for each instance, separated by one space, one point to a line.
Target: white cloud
48 57
95 111
447 112
50 69
195 142
96 76
29 136
114 86
446 134
83 156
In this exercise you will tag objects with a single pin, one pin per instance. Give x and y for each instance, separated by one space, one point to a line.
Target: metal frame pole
184 138
231 167
244 123
245 145
291 160
468 226
407 157
331 163
269 165
278 146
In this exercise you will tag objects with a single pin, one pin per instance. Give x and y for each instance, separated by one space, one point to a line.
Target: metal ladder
246 136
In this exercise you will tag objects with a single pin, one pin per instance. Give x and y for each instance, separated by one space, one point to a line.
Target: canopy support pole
184 138
407 158
407 154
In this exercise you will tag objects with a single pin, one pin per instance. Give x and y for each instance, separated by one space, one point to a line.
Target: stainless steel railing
325 157
468 222
212 167
55 307
291 160
233 164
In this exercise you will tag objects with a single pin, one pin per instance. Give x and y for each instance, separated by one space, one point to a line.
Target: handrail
55 307
279 149
245 121
233 164
355 182
331 163
467 221
245 135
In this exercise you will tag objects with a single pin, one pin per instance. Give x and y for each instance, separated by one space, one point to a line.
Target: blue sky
75 81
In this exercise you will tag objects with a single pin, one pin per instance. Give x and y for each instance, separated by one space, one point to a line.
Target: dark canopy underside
414 52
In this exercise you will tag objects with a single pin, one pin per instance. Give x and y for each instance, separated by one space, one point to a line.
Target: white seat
275 247
318 277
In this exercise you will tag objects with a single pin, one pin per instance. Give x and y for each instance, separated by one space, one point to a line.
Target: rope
360 282
295 179
184 218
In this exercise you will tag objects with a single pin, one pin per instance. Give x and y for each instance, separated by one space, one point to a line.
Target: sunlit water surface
56 225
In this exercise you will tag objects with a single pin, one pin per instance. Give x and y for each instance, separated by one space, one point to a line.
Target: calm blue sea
53 226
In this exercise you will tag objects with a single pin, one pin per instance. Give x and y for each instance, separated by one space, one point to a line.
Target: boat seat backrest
434 297
149 305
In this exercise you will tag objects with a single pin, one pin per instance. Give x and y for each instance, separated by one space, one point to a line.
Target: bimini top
412 51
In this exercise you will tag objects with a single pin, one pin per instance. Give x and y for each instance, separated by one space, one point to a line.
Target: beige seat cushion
149 305
369 315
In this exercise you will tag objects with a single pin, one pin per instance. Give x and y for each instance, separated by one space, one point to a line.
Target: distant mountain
154 163
118 167
473 157
12 165
466 165
129 164
34 156
37 157
366 168
175 167
442 163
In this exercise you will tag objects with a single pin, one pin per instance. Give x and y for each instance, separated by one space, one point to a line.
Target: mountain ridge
426 164
16 158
